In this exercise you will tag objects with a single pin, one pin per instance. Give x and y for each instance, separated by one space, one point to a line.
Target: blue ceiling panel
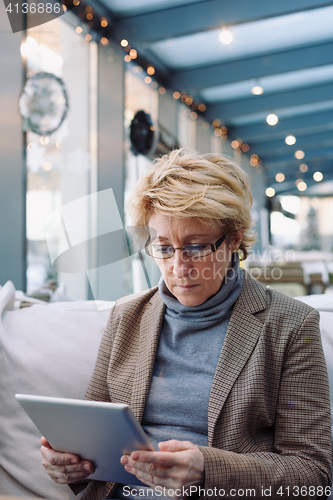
206 15
298 126
256 67
283 32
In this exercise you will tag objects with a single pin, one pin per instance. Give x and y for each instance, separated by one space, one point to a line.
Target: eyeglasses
194 251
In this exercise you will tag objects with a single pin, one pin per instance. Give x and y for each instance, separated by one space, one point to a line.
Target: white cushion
324 304
321 302
47 350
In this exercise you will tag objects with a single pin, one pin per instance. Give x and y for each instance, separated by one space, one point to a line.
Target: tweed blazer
269 420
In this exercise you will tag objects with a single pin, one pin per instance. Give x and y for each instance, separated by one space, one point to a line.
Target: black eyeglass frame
214 247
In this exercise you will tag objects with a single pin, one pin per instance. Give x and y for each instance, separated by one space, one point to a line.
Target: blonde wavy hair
208 187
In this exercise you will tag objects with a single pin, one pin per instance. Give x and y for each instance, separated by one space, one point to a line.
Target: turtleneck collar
218 306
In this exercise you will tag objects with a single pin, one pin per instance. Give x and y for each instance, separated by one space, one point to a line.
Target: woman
227 377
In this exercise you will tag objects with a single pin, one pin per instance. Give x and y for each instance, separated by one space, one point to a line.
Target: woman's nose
181 265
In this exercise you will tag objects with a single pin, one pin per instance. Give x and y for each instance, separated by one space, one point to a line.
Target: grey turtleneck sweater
189 347
190 343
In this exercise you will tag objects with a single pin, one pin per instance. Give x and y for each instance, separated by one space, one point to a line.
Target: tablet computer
97 431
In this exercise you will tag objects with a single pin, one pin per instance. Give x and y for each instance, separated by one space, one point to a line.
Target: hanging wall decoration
142 132
149 138
43 103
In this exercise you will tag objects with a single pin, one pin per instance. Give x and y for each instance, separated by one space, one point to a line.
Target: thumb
175 445
44 442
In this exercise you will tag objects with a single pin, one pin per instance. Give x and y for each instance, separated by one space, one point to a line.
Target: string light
301 186
257 90
124 43
226 37
104 41
78 29
272 119
318 176
290 140
303 168
280 177
299 154
270 192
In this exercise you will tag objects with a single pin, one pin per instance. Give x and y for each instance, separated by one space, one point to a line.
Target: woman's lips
186 287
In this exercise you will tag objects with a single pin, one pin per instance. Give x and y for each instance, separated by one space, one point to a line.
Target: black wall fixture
148 138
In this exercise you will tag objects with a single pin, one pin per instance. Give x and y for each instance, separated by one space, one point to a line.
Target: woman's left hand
179 465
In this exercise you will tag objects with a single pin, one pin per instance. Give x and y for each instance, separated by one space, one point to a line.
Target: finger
161 458
56 458
45 442
85 468
174 445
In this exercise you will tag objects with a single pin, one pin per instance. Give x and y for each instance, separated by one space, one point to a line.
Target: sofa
50 350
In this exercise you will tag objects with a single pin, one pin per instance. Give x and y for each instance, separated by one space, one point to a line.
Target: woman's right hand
64 468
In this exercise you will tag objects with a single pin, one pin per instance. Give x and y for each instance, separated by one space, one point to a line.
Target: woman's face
191 281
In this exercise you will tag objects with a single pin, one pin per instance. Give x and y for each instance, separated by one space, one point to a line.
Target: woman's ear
236 241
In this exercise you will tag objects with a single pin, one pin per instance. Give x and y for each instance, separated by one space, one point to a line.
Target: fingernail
74 461
86 467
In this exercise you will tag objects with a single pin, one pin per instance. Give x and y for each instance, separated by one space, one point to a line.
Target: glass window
61 167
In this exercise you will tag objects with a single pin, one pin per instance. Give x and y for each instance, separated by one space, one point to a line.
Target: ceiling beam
290 187
206 15
278 147
271 103
293 173
299 125
253 67
321 154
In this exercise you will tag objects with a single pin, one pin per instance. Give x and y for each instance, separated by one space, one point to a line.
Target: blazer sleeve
301 464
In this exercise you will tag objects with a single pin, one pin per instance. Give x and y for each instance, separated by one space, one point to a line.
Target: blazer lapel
241 337
150 327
